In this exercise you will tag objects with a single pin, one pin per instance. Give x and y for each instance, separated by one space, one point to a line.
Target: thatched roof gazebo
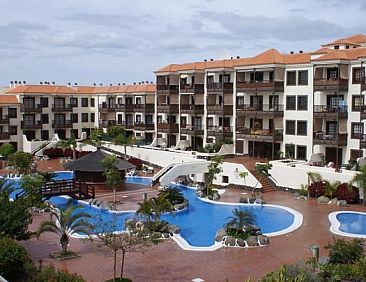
89 168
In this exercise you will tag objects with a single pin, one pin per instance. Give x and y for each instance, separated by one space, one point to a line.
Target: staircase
249 163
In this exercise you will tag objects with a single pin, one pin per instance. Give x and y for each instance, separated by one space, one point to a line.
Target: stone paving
168 262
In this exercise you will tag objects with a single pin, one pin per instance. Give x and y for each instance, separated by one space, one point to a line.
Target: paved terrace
168 262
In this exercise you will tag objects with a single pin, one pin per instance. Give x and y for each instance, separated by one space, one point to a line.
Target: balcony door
29 119
334 101
29 103
59 103
59 119
274 102
111 102
331 128
256 102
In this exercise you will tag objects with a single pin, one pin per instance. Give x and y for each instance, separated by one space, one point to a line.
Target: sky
116 41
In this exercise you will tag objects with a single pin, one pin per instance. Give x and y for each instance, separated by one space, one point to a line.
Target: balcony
363 84
220 109
192 109
325 84
104 108
62 108
324 138
219 131
62 124
363 141
168 109
260 86
106 123
327 111
192 88
4 120
192 129
219 88
143 126
261 135
31 125
167 89
143 108
260 110
31 108
168 127
4 136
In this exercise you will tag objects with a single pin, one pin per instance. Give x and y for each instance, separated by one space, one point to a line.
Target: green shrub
343 252
15 263
50 274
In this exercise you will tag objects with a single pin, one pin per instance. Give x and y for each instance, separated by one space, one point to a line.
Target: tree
69 144
65 222
360 180
32 184
240 219
331 187
214 167
114 130
22 161
125 141
173 195
145 210
243 175
6 150
160 205
14 218
112 174
96 135
15 263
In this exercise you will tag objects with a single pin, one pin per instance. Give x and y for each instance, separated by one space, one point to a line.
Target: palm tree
145 210
331 187
68 144
160 205
360 180
240 219
112 174
96 135
68 221
174 195
125 141
313 177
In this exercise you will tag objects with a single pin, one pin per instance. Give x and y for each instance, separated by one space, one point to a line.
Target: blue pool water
138 180
354 223
198 223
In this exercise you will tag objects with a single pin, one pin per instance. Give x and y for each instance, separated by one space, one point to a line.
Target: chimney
53 83
119 84
94 84
301 51
11 84
142 82
123 83
231 58
205 60
41 82
69 84
211 60
151 82
291 52
76 84
24 82
134 83
110 84
101 84
146 82
238 57
139 83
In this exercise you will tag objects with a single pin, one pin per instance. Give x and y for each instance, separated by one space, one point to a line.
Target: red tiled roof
351 40
8 99
271 56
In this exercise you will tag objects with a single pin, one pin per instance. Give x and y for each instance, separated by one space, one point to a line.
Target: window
240 101
290 151
74 102
290 127
256 76
45 119
12 113
274 102
291 103
92 102
355 154
357 103
225 179
160 119
74 118
302 77
84 117
356 130
224 78
28 103
332 74
75 133
331 128
210 79
45 135
356 75
92 117
120 101
336 47
29 119
59 119
59 103
84 102
44 102
302 103
13 130
301 128
301 152
210 121
149 119
291 78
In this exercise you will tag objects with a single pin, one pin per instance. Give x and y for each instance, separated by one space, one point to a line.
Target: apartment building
272 105
10 131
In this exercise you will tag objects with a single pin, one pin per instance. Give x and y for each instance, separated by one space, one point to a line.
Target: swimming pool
348 223
138 180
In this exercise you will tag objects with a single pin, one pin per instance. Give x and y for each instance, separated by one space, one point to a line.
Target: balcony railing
265 110
168 127
167 89
214 130
220 109
260 86
363 84
191 109
62 108
4 136
192 88
191 129
106 123
144 107
330 111
144 126
31 109
4 120
264 135
30 125
219 87
62 124
329 84
169 109
327 138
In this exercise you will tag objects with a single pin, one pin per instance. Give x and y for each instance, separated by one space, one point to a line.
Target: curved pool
348 223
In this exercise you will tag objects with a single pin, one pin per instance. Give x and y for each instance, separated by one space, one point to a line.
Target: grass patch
69 255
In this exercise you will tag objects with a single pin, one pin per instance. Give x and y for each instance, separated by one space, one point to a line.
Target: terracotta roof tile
8 99
300 58
351 40
169 68
333 55
271 56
